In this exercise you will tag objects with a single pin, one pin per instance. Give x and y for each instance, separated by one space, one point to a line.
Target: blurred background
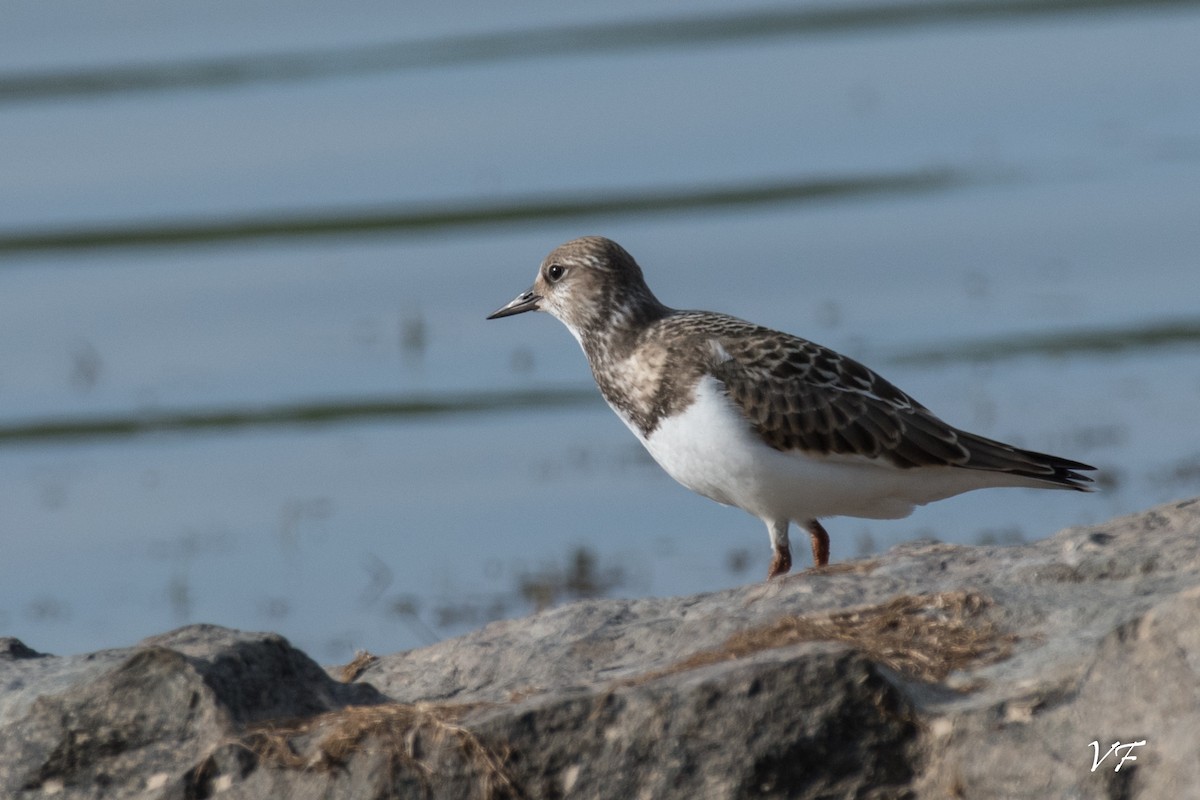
247 249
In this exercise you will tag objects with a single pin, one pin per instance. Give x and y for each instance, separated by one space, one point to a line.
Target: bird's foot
781 563
820 542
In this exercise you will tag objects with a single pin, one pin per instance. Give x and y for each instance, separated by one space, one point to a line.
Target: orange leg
820 542
782 560
781 563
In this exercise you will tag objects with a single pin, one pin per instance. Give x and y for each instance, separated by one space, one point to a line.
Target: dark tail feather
988 454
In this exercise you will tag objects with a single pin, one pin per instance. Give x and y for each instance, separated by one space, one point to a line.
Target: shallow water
245 260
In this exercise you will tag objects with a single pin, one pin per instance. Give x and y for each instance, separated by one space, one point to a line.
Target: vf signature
1114 750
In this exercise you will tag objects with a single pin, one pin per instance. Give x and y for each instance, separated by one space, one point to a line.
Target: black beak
527 301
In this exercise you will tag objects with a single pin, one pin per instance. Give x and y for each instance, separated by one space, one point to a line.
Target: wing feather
799 395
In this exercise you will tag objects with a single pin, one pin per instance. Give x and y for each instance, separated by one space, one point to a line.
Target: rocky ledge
932 671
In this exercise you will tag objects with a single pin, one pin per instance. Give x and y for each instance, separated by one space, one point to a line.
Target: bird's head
588 284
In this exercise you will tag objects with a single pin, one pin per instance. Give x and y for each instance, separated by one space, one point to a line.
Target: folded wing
799 395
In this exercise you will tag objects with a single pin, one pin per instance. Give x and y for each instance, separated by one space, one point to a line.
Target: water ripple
574 40
504 211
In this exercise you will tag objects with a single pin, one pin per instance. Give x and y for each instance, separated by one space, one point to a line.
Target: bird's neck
627 363
616 335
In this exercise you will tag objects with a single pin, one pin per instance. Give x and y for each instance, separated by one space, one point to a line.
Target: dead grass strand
412 737
923 636
357 666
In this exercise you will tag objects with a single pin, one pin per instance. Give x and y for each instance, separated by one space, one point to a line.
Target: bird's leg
782 561
820 542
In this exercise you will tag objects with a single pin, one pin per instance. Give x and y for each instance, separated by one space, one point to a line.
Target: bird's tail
1039 468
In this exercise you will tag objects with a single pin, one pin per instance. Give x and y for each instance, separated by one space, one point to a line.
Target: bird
784 428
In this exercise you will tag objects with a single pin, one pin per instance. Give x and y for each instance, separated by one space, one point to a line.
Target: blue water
1049 168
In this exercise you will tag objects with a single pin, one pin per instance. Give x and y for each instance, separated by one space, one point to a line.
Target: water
246 253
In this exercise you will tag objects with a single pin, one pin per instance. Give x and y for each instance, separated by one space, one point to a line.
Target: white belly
711 449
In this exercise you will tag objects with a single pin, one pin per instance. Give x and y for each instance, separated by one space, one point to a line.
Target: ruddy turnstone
779 426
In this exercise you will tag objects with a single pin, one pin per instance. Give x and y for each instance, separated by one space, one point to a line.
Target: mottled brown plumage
656 365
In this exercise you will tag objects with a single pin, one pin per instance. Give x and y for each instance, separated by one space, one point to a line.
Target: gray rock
932 671
14 649
140 720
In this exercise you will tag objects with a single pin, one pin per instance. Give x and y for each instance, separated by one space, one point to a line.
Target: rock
14 649
932 671
121 723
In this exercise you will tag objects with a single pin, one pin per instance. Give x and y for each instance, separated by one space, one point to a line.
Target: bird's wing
799 395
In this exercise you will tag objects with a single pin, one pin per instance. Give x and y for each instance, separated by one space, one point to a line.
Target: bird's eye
554 272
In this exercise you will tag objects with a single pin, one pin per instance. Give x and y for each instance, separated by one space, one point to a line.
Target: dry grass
923 636
862 566
411 737
357 666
